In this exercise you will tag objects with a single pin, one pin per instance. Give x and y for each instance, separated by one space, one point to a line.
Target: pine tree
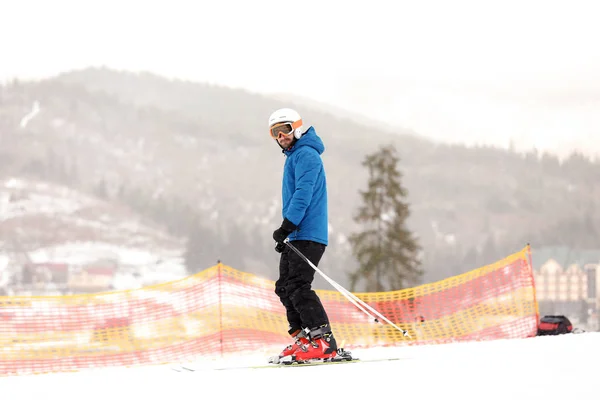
387 252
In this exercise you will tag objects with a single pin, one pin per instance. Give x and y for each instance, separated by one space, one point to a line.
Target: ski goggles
284 128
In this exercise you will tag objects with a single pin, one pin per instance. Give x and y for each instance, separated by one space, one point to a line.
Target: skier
305 223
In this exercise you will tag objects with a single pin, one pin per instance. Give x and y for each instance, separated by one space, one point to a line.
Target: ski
341 356
303 364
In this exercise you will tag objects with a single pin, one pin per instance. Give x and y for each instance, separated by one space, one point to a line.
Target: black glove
279 247
284 230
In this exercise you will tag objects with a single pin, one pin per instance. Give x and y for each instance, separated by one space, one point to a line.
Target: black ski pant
302 305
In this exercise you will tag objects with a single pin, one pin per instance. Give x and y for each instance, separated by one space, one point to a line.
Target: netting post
537 308
219 282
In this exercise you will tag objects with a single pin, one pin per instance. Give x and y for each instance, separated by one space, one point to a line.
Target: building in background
569 290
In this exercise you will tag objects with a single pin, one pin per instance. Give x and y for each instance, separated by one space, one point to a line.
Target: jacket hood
309 138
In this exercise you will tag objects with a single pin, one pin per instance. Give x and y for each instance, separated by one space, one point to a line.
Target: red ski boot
300 339
321 347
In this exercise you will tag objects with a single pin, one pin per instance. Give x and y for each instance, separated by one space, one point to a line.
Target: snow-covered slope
43 223
556 367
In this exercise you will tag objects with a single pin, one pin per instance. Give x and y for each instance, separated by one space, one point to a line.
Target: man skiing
305 224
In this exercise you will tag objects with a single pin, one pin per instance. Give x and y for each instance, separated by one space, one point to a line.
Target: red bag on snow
554 325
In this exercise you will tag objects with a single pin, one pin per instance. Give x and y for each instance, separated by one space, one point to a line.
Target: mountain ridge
165 145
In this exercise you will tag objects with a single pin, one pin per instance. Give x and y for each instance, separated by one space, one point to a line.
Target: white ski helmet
290 116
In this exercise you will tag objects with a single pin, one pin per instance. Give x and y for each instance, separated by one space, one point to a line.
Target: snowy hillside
554 367
199 152
42 224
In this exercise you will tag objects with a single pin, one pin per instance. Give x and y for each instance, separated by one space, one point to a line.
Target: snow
152 266
67 226
553 367
35 110
82 252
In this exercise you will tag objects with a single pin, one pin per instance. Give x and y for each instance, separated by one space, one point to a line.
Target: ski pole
353 299
350 296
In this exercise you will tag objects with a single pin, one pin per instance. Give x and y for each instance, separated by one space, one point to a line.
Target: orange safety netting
221 311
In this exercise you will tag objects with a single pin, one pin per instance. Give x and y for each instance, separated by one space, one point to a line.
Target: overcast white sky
469 71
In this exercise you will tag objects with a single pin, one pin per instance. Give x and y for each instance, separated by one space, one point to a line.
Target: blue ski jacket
304 189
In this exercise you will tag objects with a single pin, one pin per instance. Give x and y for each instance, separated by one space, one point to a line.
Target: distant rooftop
564 255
